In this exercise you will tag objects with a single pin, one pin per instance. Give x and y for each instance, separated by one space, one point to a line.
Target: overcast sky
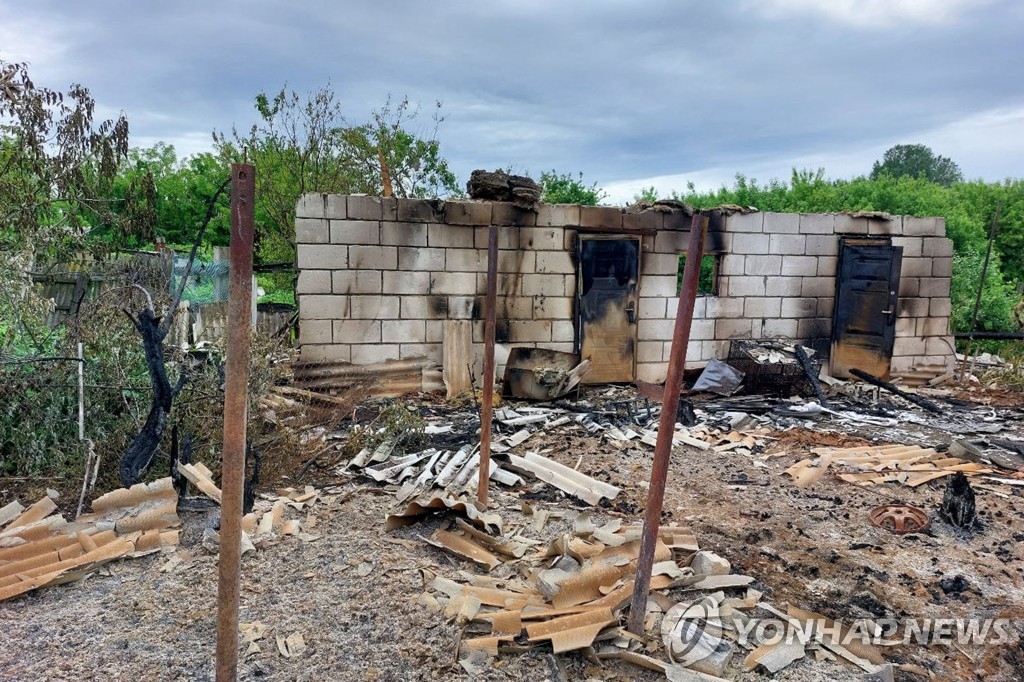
630 93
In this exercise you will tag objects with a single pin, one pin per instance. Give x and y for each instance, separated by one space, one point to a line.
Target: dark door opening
864 321
606 305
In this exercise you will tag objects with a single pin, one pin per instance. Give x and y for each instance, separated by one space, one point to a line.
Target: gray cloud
622 91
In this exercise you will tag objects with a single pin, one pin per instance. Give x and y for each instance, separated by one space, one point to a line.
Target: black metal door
864 317
606 305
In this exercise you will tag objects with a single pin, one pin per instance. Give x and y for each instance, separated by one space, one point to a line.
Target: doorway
606 306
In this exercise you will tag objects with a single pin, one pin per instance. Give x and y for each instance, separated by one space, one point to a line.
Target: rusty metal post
487 383
667 424
236 408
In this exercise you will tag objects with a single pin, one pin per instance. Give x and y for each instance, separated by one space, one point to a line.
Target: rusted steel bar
993 336
487 383
667 424
981 287
236 407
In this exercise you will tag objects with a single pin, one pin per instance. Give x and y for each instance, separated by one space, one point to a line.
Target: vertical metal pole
81 395
236 407
487 411
981 288
667 424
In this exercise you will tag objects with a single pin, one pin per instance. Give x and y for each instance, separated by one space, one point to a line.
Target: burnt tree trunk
140 452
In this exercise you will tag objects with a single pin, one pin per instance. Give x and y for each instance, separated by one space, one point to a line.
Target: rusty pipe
667 424
487 408
236 408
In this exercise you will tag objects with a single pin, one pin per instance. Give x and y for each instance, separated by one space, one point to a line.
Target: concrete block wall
378 277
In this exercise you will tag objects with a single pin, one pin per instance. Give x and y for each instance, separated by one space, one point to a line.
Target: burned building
382 279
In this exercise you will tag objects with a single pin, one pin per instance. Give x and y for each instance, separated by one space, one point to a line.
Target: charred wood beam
916 399
812 375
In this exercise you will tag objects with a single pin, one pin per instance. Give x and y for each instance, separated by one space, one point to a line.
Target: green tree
917 160
566 188
646 195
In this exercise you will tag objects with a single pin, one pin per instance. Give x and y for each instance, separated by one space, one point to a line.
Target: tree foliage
914 161
566 188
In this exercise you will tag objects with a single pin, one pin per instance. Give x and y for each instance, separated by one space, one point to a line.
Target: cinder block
406 282
364 208
601 216
730 264
817 286
643 220
817 223
311 205
435 331
781 223
420 210
912 307
939 307
455 283
431 351
776 328
403 331
788 244
389 209
558 214
337 207
799 266
940 227
716 308
466 260
529 330
355 232
541 238
762 307
522 307
902 364
917 267
909 286
555 261
908 345
881 226
937 247
659 264
543 285
522 262
826 306
699 306
733 329
372 307
906 326
503 213
313 282
652 372
563 331
372 257
467 212
374 353
551 308
693 350
714 349
783 286
939 346
403 234
464 307
649 351
417 308
323 307
678 219
658 285
411 259
935 326
356 282
314 331
911 246
799 307
312 231
942 267
763 265
450 236
508 237
919 227
934 287
813 328
702 330
321 256
655 330
651 309
821 245
745 222
720 242
747 286
847 224
751 243
356 331
827 266
336 352
671 242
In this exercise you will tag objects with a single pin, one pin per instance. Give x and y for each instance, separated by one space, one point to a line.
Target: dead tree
154 329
